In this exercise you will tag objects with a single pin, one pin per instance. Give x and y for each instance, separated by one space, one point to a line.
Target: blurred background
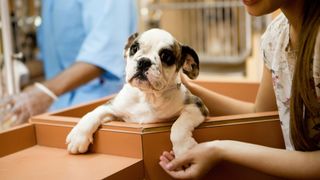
224 35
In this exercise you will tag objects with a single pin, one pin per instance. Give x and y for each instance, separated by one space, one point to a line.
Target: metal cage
219 30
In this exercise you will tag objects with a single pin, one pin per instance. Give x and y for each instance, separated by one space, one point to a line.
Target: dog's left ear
129 42
190 61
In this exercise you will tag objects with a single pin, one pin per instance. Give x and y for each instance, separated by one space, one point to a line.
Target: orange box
128 150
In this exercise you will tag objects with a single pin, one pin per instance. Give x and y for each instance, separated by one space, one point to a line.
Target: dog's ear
129 42
190 61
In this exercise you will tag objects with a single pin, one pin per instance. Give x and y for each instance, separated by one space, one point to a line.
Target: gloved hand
17 109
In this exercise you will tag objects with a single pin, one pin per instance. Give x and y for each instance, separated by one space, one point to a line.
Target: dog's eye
167 57
133 49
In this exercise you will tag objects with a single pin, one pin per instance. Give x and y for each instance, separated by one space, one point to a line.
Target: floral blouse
280 59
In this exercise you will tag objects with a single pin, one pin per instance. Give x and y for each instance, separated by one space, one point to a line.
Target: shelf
40 162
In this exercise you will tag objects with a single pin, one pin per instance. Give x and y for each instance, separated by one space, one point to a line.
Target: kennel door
219 30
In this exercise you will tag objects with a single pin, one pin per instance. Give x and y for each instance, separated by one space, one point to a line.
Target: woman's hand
185 80
194 164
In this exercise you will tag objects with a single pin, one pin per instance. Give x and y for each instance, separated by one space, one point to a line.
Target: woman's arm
277 162
222 105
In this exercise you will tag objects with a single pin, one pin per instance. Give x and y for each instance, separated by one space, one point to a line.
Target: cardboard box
127 150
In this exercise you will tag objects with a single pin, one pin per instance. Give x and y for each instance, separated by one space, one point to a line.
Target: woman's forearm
219 104
222 105
73 77
277 162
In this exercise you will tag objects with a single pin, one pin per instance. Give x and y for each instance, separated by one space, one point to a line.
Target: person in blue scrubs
81 45
89 32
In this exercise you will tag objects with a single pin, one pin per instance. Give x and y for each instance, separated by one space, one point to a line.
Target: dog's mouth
146 80
139 79
140 76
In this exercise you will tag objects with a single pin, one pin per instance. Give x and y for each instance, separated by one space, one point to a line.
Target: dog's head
155 58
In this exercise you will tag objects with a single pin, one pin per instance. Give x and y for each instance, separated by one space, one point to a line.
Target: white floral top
280 59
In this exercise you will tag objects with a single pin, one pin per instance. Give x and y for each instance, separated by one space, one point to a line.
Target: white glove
17 109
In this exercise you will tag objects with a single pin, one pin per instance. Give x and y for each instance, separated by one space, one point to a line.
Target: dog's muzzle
142 67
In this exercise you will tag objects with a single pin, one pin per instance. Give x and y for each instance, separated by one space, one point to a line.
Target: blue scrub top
91 31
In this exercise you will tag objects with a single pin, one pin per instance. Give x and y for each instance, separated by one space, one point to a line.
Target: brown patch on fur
191 99
129 42
190 67
190 61
176 49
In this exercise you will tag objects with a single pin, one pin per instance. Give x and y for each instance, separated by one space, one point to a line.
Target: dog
153 92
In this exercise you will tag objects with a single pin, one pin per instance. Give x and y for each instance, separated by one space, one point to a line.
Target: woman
290 82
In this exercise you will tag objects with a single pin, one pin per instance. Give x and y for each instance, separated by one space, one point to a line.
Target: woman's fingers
178 174
178 163
169 156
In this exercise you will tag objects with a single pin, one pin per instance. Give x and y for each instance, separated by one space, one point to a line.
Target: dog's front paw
78 141
182 147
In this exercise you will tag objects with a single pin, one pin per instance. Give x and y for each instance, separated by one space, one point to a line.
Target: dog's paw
78 141
183 146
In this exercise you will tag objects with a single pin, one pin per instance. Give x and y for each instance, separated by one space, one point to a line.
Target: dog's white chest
139 113
131 106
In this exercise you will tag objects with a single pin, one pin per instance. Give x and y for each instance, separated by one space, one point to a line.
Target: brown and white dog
153 92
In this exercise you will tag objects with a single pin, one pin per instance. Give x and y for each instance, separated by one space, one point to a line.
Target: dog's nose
144 64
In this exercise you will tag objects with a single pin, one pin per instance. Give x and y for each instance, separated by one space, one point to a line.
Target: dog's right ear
129 42
190 61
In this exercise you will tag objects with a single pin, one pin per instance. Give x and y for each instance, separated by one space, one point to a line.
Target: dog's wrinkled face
154 59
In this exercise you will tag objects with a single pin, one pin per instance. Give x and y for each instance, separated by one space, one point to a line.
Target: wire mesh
219 30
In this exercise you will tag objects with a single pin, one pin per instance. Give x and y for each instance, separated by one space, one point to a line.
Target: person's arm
108 24
73 77
101 50
32 100
276 162
222 105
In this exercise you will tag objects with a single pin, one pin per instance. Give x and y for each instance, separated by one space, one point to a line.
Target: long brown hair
303 104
